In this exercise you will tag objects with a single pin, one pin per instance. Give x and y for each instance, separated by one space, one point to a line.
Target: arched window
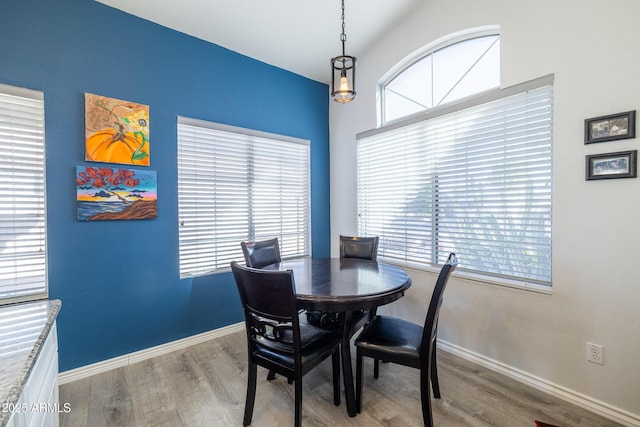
443 72
472 177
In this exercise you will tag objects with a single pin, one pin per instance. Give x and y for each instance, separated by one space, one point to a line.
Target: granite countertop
23 330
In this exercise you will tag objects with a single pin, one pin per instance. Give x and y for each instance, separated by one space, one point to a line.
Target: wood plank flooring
204 385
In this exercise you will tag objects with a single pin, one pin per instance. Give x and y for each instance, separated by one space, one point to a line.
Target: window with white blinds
22 195
238 185
473 178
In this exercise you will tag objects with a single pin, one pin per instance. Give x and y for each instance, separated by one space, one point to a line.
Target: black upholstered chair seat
313 351
392 340
310 337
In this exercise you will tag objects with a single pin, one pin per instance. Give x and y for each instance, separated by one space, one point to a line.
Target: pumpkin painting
116 131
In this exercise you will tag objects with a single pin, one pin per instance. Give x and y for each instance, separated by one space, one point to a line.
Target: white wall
593 49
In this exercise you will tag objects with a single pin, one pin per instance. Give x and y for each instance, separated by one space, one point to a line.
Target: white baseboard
147 353
598 407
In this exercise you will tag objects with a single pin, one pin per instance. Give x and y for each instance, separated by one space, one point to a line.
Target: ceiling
298 35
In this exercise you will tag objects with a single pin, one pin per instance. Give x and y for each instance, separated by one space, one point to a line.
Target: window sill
35 297
507 283
482 279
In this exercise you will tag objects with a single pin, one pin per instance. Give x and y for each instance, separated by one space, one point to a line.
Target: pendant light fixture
343 70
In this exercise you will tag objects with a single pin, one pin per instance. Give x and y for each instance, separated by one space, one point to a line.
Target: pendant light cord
343 36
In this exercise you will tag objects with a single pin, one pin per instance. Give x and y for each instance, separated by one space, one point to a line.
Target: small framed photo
610 128
612 165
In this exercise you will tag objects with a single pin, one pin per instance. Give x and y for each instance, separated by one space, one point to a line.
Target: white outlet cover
595 353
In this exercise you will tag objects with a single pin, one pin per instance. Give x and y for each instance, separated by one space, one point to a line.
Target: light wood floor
204 385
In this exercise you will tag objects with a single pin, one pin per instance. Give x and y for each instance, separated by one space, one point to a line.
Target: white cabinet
41 390
38 404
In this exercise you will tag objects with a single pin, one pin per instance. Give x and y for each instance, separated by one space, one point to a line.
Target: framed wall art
622 164
105 193
117 131
610 128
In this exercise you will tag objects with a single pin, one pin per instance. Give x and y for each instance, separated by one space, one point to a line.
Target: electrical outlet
595 353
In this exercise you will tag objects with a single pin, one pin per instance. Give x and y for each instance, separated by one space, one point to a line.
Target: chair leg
335 362
425 398
251 393
271 376
298 401
435 384
376 368
359 381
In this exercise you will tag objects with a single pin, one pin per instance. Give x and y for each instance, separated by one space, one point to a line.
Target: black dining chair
276 340
397 341
261 253
359 247
365 248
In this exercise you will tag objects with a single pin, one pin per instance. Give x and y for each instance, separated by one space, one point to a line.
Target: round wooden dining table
345 285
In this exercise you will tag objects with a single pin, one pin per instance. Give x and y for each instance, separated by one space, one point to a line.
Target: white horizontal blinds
20 327
476 181
494 172
235 185
22 194
213 184
280 196
395 194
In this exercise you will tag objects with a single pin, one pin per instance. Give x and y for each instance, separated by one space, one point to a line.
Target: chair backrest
359 247
269 305
431 322
262 253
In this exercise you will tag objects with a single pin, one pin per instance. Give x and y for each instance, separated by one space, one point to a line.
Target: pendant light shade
343 69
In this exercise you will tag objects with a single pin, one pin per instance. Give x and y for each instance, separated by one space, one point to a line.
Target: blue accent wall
118 280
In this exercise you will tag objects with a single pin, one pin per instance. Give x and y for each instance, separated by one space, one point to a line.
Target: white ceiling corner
297 35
